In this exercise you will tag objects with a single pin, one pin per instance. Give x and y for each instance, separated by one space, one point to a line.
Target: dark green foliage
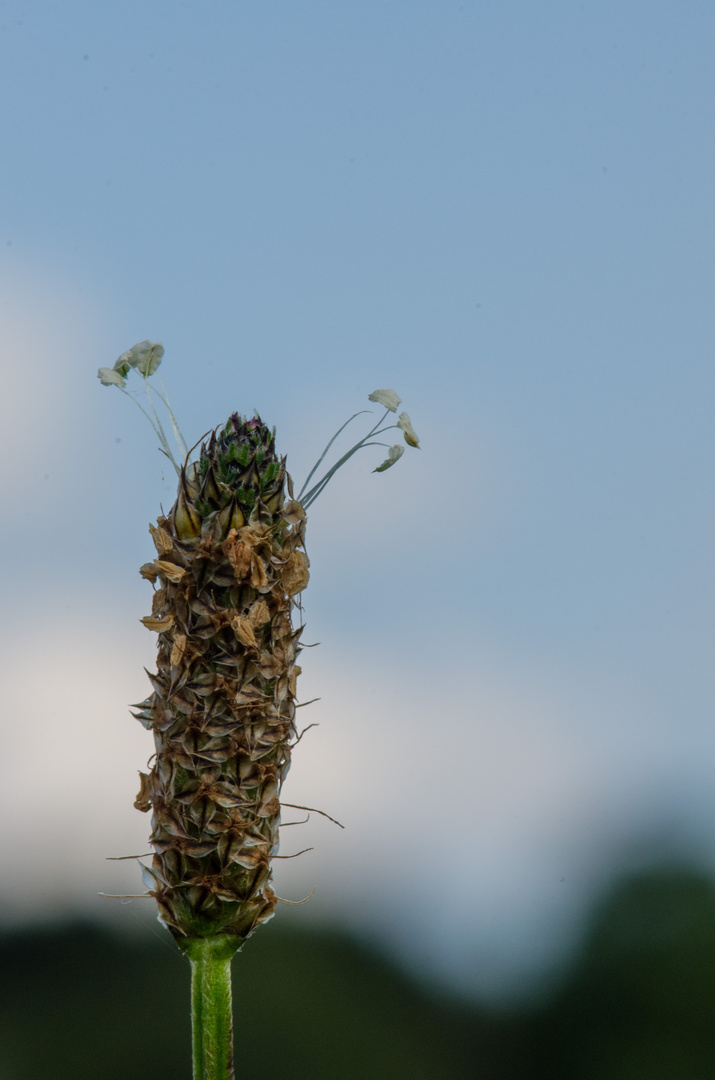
640 1004
80 1003
637 1004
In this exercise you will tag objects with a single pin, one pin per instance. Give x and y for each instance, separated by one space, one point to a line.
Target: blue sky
505 213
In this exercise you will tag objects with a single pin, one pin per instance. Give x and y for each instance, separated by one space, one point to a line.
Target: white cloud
474 795
479 799
71 754
44 323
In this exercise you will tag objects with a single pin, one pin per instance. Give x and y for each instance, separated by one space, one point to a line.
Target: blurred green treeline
637 1003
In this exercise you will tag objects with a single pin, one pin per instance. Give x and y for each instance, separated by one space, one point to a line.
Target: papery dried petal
178 649
295 573
143 799
159 625
244 631
258 613
170 570
162 539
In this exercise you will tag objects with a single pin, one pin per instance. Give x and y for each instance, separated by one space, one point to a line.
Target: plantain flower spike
230 563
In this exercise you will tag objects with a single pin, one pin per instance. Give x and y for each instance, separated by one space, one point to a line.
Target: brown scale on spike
230 560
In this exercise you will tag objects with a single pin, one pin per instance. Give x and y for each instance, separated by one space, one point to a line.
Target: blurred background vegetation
635 1002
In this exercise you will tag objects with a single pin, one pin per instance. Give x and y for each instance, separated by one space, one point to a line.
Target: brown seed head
229 560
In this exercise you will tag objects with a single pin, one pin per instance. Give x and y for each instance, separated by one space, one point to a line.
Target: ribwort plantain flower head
230 566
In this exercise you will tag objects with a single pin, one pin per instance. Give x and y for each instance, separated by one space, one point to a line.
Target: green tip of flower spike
237 474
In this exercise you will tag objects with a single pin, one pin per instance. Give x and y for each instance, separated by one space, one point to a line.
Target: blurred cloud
44 321
481 793
72 754
475 789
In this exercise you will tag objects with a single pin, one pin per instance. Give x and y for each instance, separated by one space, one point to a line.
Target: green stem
211 1014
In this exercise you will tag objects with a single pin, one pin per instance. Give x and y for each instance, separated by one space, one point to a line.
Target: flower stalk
211 1008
